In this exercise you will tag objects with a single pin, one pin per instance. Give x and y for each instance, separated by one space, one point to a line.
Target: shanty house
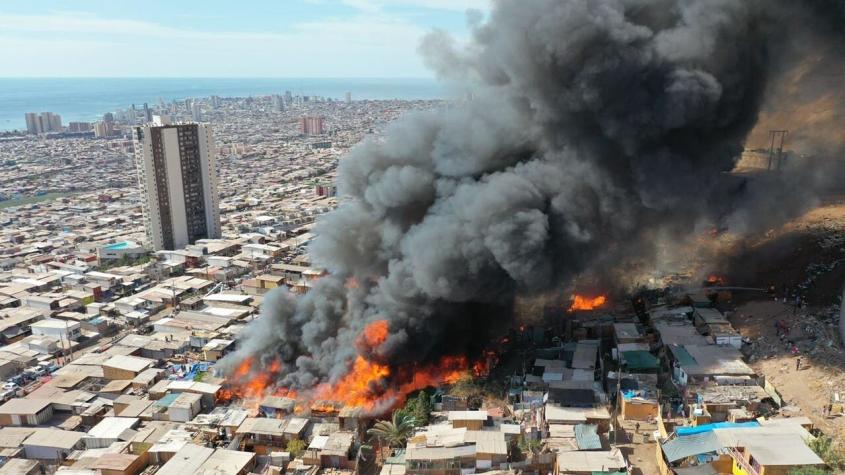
111 430
638 397
15 466
697 364
184 407
25 412
119 464
276 406
230 462
52 444
265 434
186 461
767 453
491 449
471 420
331 451
588 462
125 367
422 460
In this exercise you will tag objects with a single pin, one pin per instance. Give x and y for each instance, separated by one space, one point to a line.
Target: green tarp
640 360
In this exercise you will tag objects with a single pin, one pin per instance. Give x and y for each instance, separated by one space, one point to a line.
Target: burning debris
614 124
369 385
580 302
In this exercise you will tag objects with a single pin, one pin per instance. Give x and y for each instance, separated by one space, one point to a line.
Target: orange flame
580 302
375 333
714 279
251 386
370 385
364 385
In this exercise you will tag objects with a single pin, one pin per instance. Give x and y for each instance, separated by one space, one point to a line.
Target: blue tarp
682 431
587 437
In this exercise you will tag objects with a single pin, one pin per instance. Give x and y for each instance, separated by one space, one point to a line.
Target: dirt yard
814 332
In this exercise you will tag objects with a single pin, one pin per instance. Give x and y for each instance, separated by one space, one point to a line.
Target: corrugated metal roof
637 360
680 448
587 437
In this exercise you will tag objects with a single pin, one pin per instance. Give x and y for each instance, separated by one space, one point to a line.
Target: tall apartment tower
311 125
43 122
177 173
278 103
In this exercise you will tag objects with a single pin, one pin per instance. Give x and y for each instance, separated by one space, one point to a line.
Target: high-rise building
311 125
348 97
43 122
33 126
177 173
103 129
196 112
79 126
278 103
108 117
148 114
215 101
55 122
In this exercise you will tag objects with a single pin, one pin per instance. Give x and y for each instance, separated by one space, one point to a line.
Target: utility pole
776 154
69 345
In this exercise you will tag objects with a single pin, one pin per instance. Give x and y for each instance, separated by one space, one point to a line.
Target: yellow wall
737 470
634 411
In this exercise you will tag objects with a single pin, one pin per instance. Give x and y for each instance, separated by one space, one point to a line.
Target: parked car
35 372
49 367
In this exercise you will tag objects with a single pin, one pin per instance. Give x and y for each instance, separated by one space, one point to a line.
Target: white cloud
449 5
82 44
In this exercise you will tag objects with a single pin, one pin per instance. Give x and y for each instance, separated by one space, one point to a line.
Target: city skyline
299 38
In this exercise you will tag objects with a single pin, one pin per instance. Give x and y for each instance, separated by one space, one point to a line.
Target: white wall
173 161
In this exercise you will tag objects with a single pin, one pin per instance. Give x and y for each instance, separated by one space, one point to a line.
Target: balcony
740 460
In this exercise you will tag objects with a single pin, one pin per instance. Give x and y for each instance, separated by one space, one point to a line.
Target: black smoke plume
595 128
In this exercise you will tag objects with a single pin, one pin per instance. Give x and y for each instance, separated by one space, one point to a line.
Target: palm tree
396 431
361 456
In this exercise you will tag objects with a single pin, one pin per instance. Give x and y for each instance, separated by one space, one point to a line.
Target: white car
10 386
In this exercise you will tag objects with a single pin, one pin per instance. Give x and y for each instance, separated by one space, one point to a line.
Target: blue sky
223 38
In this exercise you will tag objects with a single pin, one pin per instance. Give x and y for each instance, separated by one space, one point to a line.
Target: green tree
828 450
420 408
810 470
395 432
296 447
361 458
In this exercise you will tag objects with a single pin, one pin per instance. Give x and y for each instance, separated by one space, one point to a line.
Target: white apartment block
177 173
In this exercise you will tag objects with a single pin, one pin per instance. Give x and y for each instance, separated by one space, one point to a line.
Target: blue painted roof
681 431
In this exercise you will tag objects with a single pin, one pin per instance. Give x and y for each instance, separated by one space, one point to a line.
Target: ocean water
87 99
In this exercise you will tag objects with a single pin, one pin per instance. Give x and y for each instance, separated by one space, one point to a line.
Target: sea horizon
88 98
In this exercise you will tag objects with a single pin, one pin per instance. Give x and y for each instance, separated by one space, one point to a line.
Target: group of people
782 330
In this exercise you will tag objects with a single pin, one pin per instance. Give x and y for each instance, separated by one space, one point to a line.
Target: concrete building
43 122
278 103
120 250
177 173
311 125
196 112
103 129
63 330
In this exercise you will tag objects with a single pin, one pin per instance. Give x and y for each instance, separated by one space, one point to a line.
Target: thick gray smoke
595 125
